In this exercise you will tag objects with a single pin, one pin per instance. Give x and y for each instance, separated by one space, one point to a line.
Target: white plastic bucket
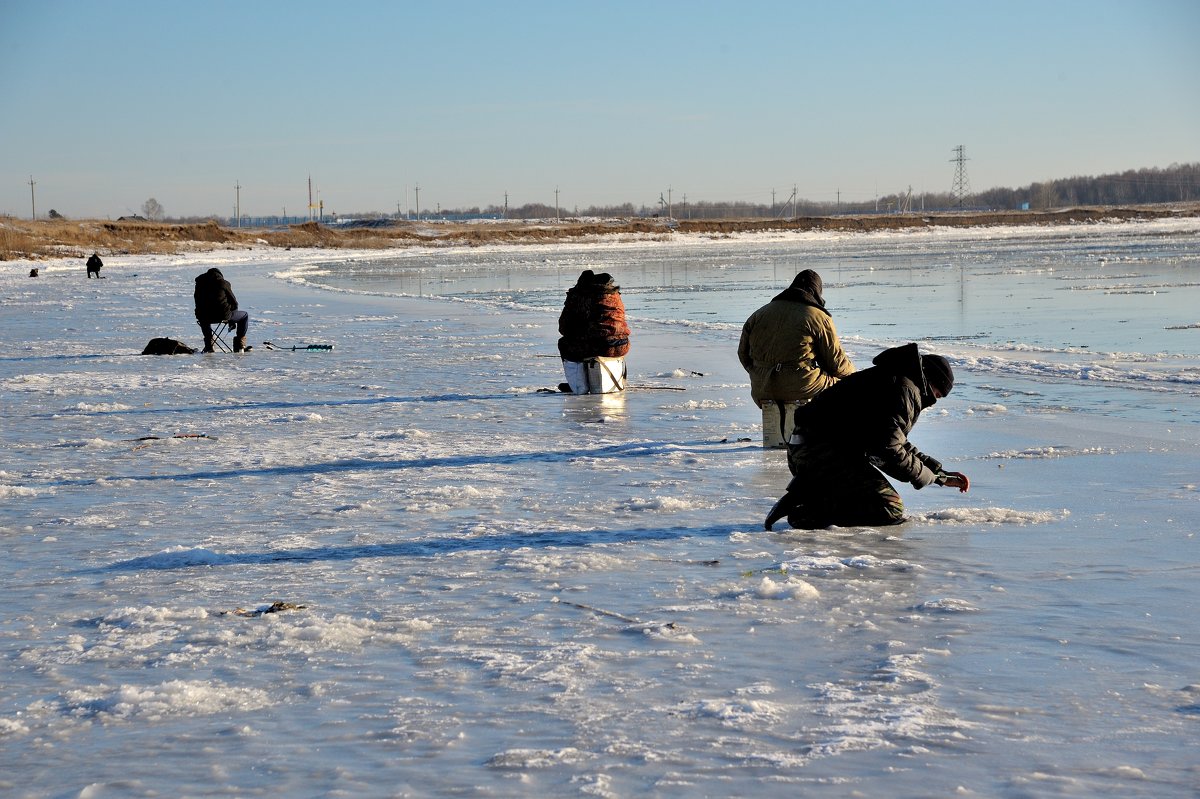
778 420
595 375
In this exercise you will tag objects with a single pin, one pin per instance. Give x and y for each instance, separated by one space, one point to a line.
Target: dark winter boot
786 504
240 345
208 340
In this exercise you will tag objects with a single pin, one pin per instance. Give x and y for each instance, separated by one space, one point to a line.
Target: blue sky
106 104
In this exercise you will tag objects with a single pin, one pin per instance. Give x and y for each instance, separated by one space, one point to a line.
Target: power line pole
556 219
32 198
237 207
961 187
417 191
791 200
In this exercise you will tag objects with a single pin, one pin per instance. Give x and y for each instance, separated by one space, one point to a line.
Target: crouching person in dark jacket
854 433
216 305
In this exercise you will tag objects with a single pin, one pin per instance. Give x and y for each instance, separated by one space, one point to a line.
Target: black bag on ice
167 346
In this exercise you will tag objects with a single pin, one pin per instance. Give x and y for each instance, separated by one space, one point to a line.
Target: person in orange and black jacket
592 323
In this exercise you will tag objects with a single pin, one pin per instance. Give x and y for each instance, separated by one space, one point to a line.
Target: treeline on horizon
1175 183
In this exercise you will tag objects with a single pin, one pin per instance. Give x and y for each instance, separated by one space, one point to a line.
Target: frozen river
501 592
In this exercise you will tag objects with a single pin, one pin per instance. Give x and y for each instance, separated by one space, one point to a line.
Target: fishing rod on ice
298 347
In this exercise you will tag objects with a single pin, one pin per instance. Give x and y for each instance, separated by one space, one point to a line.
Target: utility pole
237 206
670 210
32 198
417 191
790 200
556 218
506 205
961 187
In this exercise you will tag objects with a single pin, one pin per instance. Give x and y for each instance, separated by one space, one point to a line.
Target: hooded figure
789 346
592 323
854 433
215 305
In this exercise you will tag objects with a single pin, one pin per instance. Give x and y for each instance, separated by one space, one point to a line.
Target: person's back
216 304
862 409
592 323
214 297
790 348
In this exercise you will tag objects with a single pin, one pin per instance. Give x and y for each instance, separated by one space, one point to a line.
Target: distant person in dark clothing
93 265
855 432
216 305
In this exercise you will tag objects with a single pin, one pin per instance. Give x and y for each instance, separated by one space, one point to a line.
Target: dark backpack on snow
167 346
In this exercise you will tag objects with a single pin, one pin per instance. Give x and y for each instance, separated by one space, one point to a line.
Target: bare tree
152 209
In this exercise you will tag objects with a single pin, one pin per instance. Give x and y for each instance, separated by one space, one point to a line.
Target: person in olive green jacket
790 347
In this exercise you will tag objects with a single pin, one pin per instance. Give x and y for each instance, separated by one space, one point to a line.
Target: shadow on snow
628 450
424 548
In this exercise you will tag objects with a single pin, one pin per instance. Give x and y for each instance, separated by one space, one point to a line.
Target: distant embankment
869 222
64 238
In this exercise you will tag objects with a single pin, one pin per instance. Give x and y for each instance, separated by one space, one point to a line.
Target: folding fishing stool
219 329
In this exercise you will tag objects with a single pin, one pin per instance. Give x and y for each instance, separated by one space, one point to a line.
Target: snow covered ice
509 593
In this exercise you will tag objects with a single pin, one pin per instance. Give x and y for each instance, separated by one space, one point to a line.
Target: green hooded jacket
790 348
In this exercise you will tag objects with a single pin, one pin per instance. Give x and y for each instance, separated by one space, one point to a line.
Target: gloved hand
953 480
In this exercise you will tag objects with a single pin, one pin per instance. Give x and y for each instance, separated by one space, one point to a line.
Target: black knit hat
938 373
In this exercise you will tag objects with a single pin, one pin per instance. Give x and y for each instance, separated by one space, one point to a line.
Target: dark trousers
239 318
833 487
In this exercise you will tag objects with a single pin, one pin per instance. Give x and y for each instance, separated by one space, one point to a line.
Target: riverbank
64 238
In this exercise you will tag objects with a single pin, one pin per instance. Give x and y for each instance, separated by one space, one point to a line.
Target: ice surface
504 592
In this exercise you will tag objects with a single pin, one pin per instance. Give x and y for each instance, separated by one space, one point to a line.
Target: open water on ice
511 593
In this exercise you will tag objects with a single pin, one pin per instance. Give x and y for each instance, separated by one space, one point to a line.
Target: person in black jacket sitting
216 305
855 432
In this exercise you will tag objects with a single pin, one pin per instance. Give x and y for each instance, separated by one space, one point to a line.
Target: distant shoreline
62 238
